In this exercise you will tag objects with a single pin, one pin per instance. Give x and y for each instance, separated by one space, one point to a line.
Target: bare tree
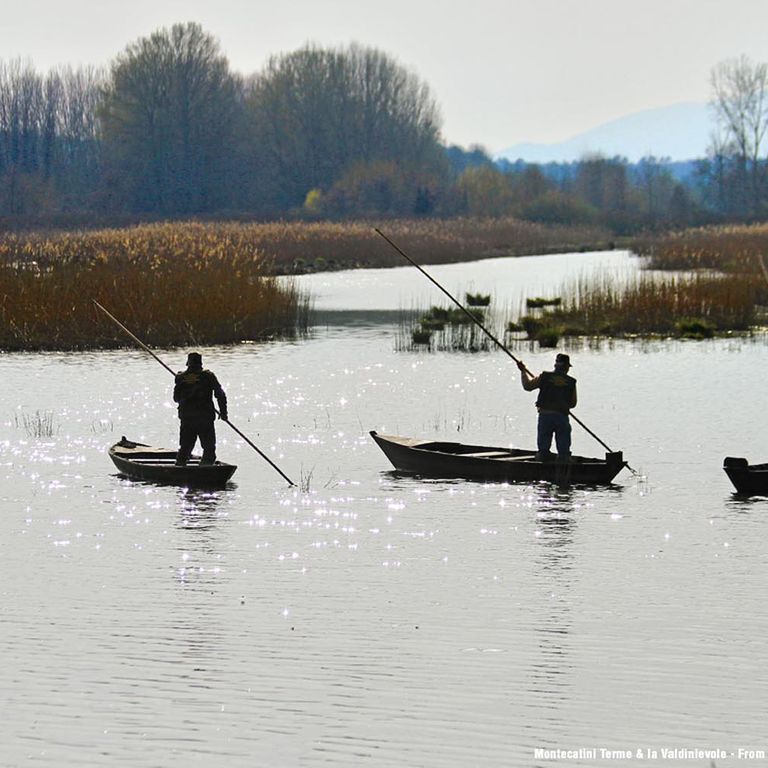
740 101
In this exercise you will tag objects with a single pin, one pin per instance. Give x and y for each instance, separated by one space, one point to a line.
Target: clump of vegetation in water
38 424
540 326
478 299
548 336
697 306
538 302
695 328
421 336
446 329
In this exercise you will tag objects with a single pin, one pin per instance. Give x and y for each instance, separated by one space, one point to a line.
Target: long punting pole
172 372
481 327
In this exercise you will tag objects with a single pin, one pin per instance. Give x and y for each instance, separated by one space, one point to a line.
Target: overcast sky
502 71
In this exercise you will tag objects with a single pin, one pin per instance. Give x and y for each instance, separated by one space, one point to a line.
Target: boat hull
748 479
489 464
158 465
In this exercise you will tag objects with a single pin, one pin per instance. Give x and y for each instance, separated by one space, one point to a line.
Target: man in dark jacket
557 395
194 391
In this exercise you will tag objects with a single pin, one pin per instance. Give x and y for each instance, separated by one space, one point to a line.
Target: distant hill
679 132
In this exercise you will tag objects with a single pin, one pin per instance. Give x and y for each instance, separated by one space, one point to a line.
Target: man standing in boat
557 395
194 391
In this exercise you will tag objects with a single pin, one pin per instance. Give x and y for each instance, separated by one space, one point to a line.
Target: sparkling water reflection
375 619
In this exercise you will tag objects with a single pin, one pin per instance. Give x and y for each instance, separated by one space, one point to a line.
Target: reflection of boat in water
478 462
143 462
748 479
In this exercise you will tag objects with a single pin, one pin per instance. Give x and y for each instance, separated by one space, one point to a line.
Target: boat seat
486 454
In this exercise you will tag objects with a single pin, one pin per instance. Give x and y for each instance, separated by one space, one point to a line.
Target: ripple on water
372 617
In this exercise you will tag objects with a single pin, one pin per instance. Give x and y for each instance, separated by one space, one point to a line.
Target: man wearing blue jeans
557 395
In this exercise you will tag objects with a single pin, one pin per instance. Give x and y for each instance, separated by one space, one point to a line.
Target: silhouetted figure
194 391
557 395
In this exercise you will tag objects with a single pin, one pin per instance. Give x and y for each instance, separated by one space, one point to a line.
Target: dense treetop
168 130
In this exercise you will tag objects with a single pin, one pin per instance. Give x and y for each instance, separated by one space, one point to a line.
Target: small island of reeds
693 306
696 284
447 329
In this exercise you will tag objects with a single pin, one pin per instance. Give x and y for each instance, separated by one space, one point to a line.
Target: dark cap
563 361
194 360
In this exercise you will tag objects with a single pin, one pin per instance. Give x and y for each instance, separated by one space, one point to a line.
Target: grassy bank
170 285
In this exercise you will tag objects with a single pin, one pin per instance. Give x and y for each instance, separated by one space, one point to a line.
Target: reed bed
697 304
434 241
295 247
172 285
731 249
305 246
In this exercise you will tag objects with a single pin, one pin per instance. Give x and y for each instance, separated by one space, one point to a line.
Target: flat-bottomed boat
439 459
143 462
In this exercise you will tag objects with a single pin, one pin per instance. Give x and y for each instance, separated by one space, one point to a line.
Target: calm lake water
371 619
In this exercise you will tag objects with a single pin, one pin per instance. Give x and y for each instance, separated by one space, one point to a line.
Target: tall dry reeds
172 285
303 246
733 249
648 304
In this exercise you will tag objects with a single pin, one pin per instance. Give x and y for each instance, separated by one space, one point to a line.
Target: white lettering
752 754
615 754
564 754
681 753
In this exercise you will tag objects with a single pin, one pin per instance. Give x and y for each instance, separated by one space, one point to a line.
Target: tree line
169 130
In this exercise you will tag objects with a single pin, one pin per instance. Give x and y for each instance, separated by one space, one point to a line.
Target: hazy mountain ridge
678 132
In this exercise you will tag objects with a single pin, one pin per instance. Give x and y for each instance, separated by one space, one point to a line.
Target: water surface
371 619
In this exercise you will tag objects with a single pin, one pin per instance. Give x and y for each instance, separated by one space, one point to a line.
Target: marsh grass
421 336
305 480
693 305
443 329
729 249
172 285
188 283
37 424
298 247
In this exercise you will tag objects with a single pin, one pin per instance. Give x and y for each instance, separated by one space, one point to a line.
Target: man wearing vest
557 395
194 391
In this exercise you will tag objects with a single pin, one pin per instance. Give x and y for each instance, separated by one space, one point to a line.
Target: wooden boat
748 479
439 459
143 462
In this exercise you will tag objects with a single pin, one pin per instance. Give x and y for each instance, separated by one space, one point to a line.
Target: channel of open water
370 619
